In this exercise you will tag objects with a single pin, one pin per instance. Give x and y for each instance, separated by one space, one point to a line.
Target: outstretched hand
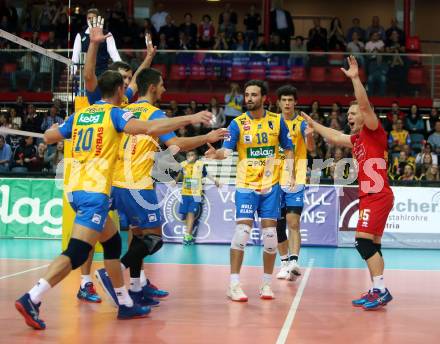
151 49
309 120
211 153
217 135
353 70
96 26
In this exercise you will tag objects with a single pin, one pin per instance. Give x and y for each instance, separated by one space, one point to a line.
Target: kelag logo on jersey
260 152
89 118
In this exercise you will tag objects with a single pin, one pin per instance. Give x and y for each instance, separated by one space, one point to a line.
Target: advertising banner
30 208
413 222
216 219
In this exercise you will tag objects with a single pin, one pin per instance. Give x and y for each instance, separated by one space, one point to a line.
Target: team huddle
113 147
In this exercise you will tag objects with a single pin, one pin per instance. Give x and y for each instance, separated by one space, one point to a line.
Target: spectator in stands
336 40
61 26
194 106
5 155
275 43
24 155
233 18
432 175
281 22
4 121
240 43
315 111
32 120
377 69
252 22
10 12
158 18
117 21
175 108
20 106
47 14
298 46
206 32
410 158
39 164
54 158
149 28
106 50
171 33
413 122
355 45
233 103
356 28
221 43
430 120
317 37
376 27
434 138
28 64
185 42
395 110
14 140
189 28
427 150
218 112
27 21
398 137
397 73
394 27
51 118
14 118
35 39
408 173
227 27
130 31
4 25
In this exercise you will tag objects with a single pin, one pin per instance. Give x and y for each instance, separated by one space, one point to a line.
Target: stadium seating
177 72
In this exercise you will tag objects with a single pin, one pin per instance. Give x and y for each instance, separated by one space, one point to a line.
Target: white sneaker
284 270
294 270
235 293
266 292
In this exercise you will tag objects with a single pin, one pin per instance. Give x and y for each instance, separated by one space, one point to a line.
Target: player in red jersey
369 144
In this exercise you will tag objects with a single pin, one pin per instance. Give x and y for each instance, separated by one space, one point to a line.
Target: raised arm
162 126
96 38
331 135
370 118
151 52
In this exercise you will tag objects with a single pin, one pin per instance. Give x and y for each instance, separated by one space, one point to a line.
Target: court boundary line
24 271
285 329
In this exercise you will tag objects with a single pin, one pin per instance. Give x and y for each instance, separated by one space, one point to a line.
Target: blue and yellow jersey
95 96
136 152
95 132
297 127
193 174
402 137
257 142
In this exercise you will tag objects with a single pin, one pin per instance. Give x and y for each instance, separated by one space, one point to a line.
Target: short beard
253 107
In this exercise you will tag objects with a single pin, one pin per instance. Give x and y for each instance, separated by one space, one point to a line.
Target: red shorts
373 212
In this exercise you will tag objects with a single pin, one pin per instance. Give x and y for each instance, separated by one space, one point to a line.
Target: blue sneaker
151 291
367 297
136 311
139 298
380 300
106 284
30 312
88 293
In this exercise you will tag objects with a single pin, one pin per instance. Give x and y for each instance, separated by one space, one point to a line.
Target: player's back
95 141
136 152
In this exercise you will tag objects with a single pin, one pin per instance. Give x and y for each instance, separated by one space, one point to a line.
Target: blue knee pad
78 252
112 247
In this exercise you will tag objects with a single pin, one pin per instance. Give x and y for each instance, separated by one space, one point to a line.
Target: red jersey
370 149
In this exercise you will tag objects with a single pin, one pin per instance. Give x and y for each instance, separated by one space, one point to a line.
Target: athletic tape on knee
241 236
78 252
270 241
366 248
112 247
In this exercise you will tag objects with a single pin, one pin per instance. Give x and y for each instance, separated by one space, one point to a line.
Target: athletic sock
143 279
38 290
85 279
267 278
379 283
135 284
123 297
285 258
235 278
293 257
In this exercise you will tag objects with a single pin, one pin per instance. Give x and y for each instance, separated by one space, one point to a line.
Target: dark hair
93 11
206 16
115 66
187 14
259 83
146 78
287 90
2 138
108 83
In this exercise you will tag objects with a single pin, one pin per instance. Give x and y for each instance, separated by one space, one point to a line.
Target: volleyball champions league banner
216 218
414 221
